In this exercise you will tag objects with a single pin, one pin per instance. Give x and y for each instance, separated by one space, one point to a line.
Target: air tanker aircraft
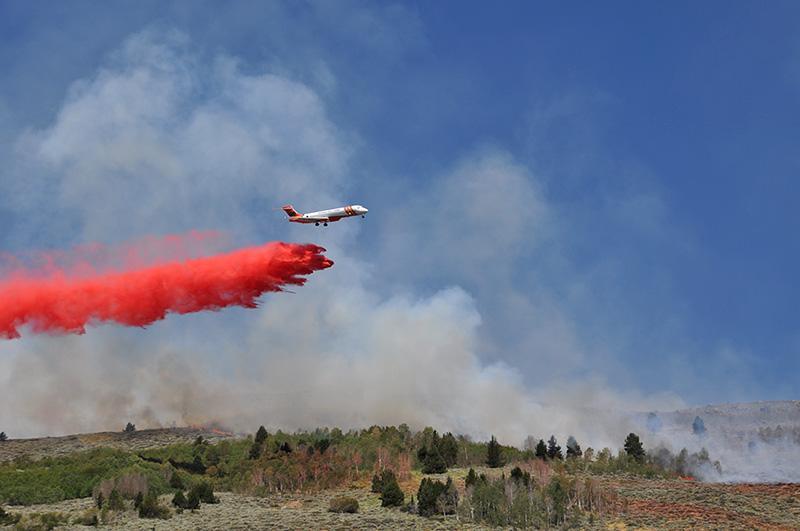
325 216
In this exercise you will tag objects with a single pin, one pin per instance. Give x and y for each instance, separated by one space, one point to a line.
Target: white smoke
206 146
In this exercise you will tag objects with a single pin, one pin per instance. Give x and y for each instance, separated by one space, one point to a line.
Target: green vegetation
435 497
343 504
436 453
204 492
553 449
634 447
115 501
7 519
521 501
541 449
573 448
494 457
151 508
391 495
180 501
25 482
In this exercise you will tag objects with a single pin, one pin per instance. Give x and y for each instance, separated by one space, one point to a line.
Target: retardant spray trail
65 303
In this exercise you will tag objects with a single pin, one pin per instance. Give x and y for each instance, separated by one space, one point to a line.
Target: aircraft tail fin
290 211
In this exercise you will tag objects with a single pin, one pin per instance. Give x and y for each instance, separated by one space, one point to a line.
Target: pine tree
573 448
553 449
448 447
391 495
447 501
3 436
428 496
255 451
698 426
261 435
430 455
494 457
130 428
472 478
634 447
520 476
541 450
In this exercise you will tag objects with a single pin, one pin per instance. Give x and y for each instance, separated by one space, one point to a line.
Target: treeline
321 459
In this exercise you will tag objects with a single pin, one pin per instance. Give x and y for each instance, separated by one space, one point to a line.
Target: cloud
194 143
159 140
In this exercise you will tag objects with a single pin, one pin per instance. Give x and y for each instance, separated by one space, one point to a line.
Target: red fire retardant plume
65 303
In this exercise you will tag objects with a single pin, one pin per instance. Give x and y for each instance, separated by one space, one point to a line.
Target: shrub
343 504
129 428
175 481
89 518
194 500
472 478
518 475
115 501
179 500
205 493
3 436
8 518
377 484
150 508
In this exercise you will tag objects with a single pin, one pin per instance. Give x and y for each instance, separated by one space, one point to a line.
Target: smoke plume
65 301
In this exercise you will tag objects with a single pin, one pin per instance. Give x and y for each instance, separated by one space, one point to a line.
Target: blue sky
642 228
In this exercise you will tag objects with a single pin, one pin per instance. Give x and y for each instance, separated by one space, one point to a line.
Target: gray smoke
204 145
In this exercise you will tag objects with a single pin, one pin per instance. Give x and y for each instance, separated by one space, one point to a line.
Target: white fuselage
330 215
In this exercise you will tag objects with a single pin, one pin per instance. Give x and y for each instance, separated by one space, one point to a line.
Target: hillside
38 448
289 481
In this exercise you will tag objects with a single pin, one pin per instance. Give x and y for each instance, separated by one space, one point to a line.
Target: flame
212 427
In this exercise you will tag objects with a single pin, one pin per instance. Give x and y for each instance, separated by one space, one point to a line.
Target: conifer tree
448 447
261 435
472 478
634 447
553 449
541 450
494 457
573 448
391 495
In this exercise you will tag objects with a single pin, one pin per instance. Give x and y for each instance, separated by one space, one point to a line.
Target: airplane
324 216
